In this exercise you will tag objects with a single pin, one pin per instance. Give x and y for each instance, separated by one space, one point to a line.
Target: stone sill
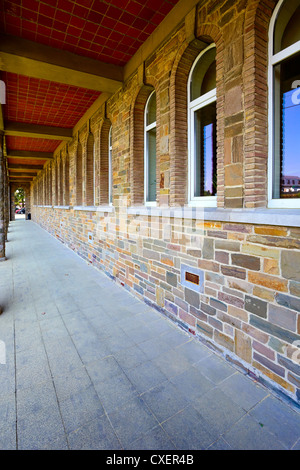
94 208
80 208
259 216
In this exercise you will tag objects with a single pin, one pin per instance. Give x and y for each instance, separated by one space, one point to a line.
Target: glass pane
151 110
151 165
288 132
287 30
203 77
205 182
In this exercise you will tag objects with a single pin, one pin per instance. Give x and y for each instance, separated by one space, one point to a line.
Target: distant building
290 184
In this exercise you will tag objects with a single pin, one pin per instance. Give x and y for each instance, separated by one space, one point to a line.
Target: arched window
61 181
284 105
90 167
110 170
105 168
150 150
79 175
202 129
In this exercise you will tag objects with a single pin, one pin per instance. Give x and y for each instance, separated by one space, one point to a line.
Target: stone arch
187 54
137 144
90 165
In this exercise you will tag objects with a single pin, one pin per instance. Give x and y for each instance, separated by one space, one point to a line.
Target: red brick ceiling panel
31 144
107 30
36 101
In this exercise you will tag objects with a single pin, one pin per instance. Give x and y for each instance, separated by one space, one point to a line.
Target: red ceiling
110 31
36 101
31 144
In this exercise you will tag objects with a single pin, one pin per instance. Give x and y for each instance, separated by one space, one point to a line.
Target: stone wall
229 276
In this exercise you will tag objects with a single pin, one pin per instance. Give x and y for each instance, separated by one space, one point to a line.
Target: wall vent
192 277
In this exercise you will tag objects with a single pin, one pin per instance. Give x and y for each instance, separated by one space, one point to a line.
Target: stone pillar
12 202
2 202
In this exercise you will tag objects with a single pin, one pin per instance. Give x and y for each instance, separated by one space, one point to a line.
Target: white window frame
193 106
147 128
110 173
275 59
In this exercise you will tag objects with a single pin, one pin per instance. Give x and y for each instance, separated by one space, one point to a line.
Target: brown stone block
234 174
263 293
224 340
242 345
290 265
274 377
268 281
280 232
233 271
255 333
205 329
271 266
246 261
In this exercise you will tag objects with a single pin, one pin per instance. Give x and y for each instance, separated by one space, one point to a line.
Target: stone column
2 202
12 202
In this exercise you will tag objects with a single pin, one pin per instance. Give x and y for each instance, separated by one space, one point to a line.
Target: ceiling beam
16 167
23 129
24 57
29 155
23 175
21 178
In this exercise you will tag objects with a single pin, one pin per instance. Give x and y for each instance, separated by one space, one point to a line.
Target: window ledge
60 207
94 208
260 216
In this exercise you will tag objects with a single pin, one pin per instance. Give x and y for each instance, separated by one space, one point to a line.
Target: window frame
148 128
273 60
193 106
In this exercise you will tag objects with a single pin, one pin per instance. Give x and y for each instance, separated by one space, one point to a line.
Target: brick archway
206 34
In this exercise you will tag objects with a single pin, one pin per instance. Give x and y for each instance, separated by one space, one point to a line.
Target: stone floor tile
189 431
248 434
191 383
242 390
274 416
131 420
95 435
156 439
164 401
146 376
80 408
215 369
40 430
220 418
115 392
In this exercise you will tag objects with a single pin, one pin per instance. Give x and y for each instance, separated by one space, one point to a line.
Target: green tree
20 197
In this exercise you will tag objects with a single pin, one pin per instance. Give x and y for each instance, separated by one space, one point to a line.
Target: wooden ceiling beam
24 57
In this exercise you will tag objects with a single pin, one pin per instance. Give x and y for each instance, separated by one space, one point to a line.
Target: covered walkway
87 366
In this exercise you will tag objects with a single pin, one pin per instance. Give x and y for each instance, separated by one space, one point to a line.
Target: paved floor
88 366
